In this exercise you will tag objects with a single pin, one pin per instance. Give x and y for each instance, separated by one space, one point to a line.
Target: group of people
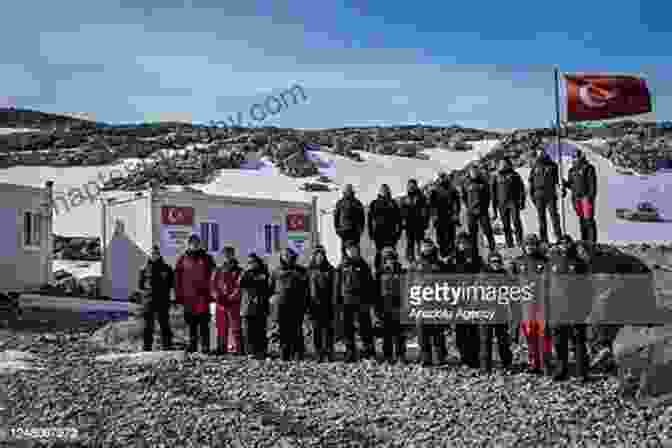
369 300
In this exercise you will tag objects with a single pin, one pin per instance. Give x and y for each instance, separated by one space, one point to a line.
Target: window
272 238
210 236
32 229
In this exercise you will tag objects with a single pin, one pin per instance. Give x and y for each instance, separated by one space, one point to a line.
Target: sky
475 64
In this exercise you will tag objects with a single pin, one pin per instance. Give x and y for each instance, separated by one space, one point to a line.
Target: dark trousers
413 239
199 325
488 332
510 213
543 206
254 335
482 220
361 314
290 322
157 312
577 334
467 339
323 335
430 337
446 231
394 337
380 245
588 228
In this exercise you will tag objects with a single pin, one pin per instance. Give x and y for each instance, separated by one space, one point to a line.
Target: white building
134 222
26 246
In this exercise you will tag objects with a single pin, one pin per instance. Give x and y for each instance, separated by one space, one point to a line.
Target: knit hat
319 249
532 239
495 257
389 252
194 238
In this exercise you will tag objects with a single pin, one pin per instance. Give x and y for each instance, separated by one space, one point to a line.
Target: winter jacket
225 286
428 265
569 290
414 212
468 264
544 178
193 273
384 220
444 203
476 195
508 188
349 217
255 286
290 286
156 281
582 180
354 282
321 279
390 288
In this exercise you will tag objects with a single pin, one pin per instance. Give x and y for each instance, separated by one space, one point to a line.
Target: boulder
128 333
12 361
143 357
644 359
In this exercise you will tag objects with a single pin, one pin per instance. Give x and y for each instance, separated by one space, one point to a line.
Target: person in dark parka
254 307
390 296
543 187
508 199
290 286
415 218
568 282
467 336
355 289
156 281
322 276
445 207
384 222
431 335
476 197
499 330
582 181
193 273
349 218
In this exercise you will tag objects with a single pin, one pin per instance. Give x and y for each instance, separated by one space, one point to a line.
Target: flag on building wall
599 97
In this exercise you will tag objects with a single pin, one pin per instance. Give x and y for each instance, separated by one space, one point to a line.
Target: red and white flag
177 216
599 97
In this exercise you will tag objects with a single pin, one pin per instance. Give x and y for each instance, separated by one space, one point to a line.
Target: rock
644 358
15 360
143 357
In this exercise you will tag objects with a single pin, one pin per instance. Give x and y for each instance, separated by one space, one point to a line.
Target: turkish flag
296 223
177 216
600 97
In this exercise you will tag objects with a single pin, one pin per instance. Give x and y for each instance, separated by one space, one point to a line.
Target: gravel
205 401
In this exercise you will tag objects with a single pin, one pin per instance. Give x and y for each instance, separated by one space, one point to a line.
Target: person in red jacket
193 271
226 294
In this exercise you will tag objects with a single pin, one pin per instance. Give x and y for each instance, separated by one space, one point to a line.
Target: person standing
543 183
569 285
467 336
500 330
476 196
349 218
354 289
508 198
156 281
289 283
321 275
390 292
533 265
255 286
582 181
444 205
431 335
193 272
415 218
384 222
227 296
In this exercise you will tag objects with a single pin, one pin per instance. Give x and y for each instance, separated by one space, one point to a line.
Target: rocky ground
67 379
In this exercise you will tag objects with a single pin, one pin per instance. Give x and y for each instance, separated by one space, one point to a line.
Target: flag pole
559 143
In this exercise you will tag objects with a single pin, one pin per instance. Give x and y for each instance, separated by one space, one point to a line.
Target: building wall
22 267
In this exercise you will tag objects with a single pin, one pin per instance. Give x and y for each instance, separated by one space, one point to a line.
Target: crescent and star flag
600 97
297 222
177 216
